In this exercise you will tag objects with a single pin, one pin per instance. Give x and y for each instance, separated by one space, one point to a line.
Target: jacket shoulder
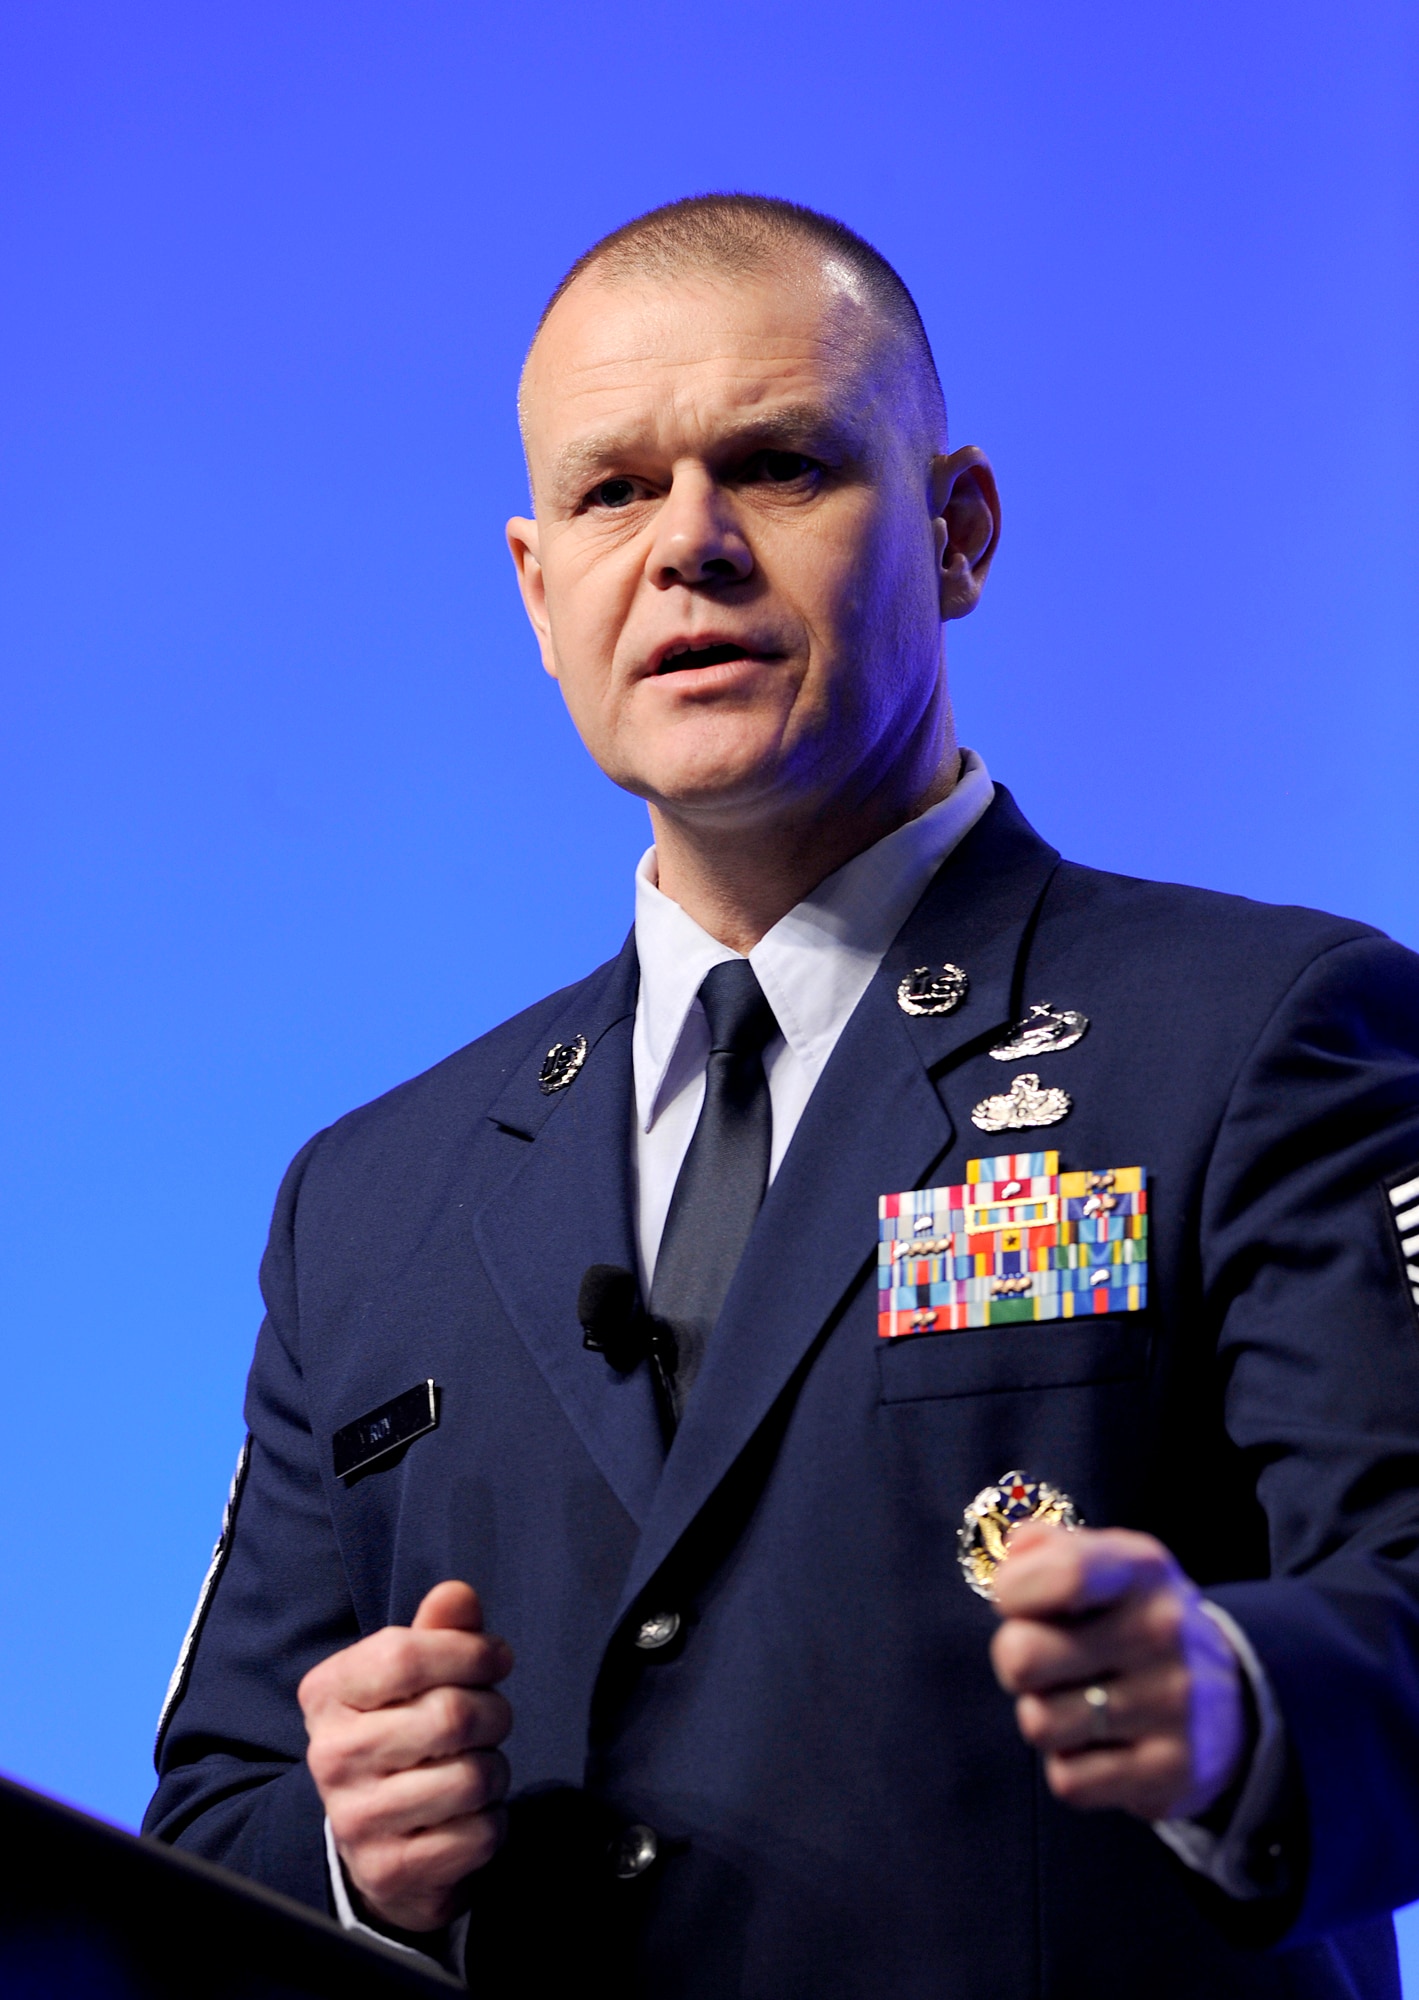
1220 936
1194 969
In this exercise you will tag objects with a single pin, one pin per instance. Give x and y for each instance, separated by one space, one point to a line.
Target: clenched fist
1130 1691
403 1732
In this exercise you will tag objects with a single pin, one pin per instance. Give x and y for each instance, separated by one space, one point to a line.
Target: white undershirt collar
814 965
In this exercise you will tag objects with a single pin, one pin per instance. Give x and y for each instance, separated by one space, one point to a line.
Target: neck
738 881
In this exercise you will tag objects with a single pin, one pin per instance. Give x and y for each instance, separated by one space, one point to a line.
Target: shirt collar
817 962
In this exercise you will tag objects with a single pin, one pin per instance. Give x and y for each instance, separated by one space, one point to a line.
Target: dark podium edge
166 1922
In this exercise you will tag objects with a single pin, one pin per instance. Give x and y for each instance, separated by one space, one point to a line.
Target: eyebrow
794 424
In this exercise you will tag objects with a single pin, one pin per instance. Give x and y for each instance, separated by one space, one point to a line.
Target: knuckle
450 1712
401 1654
384 1871
482 1784
1164 1620
311 1692
1075 1565
1176 1696
1016 1654
1033 1719
328 1754
352 1820
324 1763
1167 1758
470 1792
487 1658
486 1836
1066 1780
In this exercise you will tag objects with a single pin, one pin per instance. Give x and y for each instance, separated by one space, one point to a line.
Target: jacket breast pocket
994 1361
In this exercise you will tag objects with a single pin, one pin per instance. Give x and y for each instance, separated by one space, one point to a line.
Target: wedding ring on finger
1096 1701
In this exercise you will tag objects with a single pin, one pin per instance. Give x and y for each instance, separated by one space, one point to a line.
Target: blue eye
613 493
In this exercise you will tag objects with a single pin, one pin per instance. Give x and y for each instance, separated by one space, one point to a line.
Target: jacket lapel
874 1124
563 1203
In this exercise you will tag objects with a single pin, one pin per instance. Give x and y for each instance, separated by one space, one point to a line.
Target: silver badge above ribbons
983 1539
928 992
560 1065
1044 1031
1021 1107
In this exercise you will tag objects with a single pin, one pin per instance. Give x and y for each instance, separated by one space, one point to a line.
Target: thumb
450 1607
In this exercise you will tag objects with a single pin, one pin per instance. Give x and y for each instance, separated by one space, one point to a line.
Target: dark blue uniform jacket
843 1803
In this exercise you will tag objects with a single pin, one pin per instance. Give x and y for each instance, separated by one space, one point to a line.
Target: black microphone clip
616 1324
609 1308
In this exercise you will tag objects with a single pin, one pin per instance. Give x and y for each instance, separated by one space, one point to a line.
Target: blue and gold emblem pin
1017 1240
983 1538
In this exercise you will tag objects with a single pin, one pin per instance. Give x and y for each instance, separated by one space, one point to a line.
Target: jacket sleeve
233 1783
1317 1337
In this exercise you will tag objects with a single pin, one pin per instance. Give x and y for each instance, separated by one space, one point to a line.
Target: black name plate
360 1445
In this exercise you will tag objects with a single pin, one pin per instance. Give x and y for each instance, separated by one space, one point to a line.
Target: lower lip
722 672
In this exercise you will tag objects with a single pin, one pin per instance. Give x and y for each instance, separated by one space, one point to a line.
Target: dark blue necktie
722 1181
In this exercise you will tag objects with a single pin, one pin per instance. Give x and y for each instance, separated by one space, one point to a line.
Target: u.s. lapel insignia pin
1022 1106
560 1064
1017 1242
983 1539
928 992
1045 1030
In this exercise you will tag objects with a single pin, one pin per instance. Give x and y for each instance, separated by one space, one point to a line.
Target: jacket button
657 1630
634 1852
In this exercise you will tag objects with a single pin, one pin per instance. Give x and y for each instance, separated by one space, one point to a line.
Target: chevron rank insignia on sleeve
1403 1198
1017 1240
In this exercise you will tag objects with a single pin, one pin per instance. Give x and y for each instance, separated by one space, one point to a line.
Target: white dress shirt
814 966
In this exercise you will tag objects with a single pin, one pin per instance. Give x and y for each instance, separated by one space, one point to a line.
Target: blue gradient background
289 810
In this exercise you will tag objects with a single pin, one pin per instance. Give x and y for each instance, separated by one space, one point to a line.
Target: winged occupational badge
1044 1031
983 1539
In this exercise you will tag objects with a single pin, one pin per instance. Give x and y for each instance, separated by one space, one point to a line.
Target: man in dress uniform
872 1445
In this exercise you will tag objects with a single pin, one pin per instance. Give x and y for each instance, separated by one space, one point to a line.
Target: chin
714 773
740 797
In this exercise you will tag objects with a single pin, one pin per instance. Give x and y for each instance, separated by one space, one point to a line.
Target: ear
524 543
965 508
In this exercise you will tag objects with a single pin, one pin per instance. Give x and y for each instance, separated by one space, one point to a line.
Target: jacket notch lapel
978 914
565 1203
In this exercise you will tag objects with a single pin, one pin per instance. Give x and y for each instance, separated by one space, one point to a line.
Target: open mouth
704 656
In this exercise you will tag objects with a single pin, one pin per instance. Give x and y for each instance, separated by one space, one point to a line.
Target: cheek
877 570
587 605
881 617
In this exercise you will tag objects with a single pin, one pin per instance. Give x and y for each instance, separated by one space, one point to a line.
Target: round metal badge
928 992
983 1539
560 1065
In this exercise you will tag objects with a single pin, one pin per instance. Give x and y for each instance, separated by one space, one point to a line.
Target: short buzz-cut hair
744 234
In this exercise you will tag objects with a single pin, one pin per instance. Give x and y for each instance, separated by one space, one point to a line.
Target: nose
698 539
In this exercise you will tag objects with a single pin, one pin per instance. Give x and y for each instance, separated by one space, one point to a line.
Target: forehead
687 355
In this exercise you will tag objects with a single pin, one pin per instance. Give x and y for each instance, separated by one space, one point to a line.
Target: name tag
1016 1240
361 1445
